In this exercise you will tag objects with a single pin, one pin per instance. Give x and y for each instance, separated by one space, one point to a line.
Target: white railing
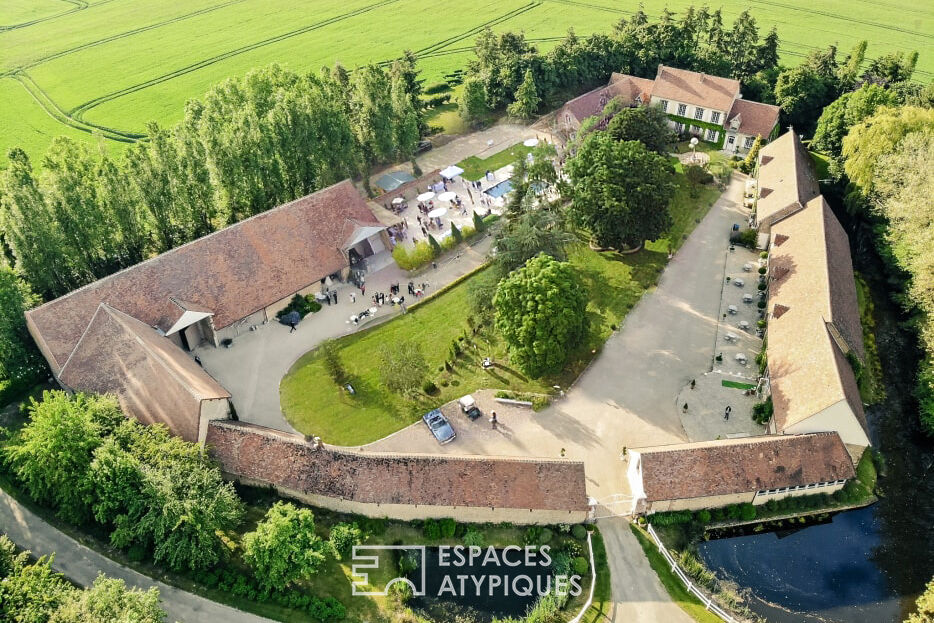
593 584
688 583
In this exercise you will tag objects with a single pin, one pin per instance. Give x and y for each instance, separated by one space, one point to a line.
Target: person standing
493 420
726 413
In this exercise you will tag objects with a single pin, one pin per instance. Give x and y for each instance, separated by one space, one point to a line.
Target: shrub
468 232
579 532
400 593
326 610
580 565
761 324
760 286
448 527
762 411
762 270
435 247
343 537
431 530
456 234
429 387
540 402
764 254
304 305
474 538
672 517
761 304
478 223
330 354
420 255
544 538
533 535
747 512
703 516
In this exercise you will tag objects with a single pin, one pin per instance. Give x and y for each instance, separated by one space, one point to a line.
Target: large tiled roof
694 470
232 273
787 180
152 378
286 460
812 295
627 88
755 119
698 89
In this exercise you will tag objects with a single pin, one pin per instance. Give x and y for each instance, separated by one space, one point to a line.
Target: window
663 104
714 117
731 139
699 113
712 136
749 141
682 110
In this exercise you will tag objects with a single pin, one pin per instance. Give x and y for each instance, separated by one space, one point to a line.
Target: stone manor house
708 107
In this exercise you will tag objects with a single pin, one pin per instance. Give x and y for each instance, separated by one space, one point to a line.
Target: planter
515 403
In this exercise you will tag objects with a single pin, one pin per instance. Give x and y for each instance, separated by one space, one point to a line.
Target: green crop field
108 66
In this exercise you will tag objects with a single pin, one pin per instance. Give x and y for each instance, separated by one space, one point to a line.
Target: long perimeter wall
479 489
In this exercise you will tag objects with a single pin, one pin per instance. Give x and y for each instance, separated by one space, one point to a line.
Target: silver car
439 426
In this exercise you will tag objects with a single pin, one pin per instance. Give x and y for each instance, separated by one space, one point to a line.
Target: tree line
509 72
30 591
248 145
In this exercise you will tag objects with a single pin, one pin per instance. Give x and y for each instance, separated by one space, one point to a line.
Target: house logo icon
367 558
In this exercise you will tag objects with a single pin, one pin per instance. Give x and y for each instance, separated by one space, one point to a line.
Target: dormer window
734 122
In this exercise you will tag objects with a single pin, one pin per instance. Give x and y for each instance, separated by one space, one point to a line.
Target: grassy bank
672 583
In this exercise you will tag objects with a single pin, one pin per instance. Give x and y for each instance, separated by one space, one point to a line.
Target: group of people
399 231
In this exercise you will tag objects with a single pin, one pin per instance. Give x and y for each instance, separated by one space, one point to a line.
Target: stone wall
402 486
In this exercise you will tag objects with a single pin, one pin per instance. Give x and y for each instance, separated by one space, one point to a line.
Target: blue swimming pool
500 189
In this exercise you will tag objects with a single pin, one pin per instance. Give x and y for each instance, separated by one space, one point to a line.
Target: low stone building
753 470
477 489
786 180
126 334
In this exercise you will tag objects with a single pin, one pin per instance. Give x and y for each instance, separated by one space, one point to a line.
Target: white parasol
447 196
427 196
437 213
452 171
530 142
398 200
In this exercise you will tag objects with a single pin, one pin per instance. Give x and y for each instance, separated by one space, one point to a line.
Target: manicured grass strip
672 583
736 385
599 610
474 168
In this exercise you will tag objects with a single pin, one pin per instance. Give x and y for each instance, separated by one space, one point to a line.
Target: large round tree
621 191
540 310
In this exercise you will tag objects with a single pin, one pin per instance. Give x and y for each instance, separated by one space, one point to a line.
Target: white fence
593 584
692 588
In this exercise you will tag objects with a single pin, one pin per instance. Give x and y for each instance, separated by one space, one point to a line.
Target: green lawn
673 585
736 385
314 404
121 64
474 168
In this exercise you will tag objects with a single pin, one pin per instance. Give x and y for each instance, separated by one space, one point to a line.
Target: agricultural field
79 67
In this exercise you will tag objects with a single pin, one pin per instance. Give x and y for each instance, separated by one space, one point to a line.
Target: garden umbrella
426 196
437 213
398 200
452 171
530 142
447 196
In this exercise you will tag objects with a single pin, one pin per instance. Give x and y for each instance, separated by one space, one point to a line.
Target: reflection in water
869 564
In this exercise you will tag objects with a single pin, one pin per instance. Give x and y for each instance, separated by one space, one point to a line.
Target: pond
472 599
865 565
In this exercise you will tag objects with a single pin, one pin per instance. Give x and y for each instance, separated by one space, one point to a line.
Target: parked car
423 146
439 426
469 407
